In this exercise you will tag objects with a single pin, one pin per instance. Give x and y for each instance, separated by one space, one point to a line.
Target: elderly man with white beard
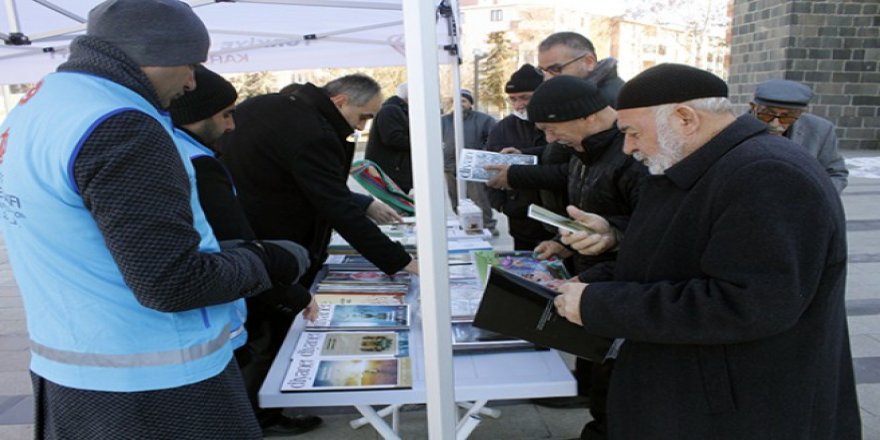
727 297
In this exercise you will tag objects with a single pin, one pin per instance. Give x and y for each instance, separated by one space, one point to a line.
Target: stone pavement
520 420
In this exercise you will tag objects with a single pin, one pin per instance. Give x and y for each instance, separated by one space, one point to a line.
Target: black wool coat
730 294
389 145
290 161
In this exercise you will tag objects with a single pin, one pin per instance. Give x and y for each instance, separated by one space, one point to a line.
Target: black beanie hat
564 98
669 84
526 79
212 94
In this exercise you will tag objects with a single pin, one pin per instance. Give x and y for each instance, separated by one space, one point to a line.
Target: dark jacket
388 145
476 126
730 295
604 75
290 161
515 132
602 180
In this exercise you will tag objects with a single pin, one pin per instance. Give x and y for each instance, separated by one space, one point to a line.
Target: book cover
347 374
360 298
522 263
470 166
343 345
551 218
365 277
517 307
466 337
360 317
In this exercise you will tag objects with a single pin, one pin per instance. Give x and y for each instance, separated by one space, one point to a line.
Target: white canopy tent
254 35
246 35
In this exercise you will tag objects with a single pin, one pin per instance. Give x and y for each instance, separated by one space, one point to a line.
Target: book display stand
480 377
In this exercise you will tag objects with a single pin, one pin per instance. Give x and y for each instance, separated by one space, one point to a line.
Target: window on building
496 15
661 50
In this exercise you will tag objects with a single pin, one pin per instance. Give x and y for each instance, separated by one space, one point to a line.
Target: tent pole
424 89
12 17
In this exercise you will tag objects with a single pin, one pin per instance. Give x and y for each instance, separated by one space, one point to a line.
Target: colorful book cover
360 317
342 345
365 277
347 374
361 298
521 263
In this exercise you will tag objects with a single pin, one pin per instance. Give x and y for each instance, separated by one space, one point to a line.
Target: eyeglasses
556 69
768 117
366 116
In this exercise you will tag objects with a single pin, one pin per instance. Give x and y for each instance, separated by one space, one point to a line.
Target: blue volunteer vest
190 149
87 330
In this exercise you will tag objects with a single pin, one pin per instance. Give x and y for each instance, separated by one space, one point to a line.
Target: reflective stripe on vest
153 359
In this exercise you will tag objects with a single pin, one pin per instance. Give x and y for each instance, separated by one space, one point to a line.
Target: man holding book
729 284
598 177
517 134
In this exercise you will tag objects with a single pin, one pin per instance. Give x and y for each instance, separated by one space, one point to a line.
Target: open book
551 218
517 307
471 163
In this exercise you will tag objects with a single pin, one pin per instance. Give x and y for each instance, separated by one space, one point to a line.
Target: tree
705 22
253 84
495 70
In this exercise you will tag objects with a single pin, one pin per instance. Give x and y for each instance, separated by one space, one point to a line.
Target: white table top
490 376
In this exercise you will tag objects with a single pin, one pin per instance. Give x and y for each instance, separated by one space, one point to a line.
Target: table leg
374 418
482 409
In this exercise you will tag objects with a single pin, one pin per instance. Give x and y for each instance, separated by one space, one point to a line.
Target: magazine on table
360 317
471 163
551 218
365 277
466 337
307 374
344 345
360 298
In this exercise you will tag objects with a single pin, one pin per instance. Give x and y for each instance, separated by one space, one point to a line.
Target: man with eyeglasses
782 105
289 157
572 54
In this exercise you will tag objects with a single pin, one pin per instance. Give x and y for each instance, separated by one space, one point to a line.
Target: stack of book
459 240
360 340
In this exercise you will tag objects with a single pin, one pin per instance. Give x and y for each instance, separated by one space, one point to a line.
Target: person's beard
524 115
671 149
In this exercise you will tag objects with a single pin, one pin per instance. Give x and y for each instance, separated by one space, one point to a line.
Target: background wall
831 45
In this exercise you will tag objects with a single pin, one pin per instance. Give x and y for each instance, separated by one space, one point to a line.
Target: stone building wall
831 45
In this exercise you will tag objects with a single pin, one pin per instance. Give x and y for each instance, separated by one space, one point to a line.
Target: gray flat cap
783 93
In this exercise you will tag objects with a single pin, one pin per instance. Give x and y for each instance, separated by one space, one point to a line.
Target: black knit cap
564 98
212 94
669 84
526 79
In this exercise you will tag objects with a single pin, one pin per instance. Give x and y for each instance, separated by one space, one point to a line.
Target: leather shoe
283 425
563 402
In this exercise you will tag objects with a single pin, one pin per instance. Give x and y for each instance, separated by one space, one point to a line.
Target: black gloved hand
285 261
286 301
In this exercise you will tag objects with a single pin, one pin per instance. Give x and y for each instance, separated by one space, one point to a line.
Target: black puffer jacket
388 145
290 161
602 180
